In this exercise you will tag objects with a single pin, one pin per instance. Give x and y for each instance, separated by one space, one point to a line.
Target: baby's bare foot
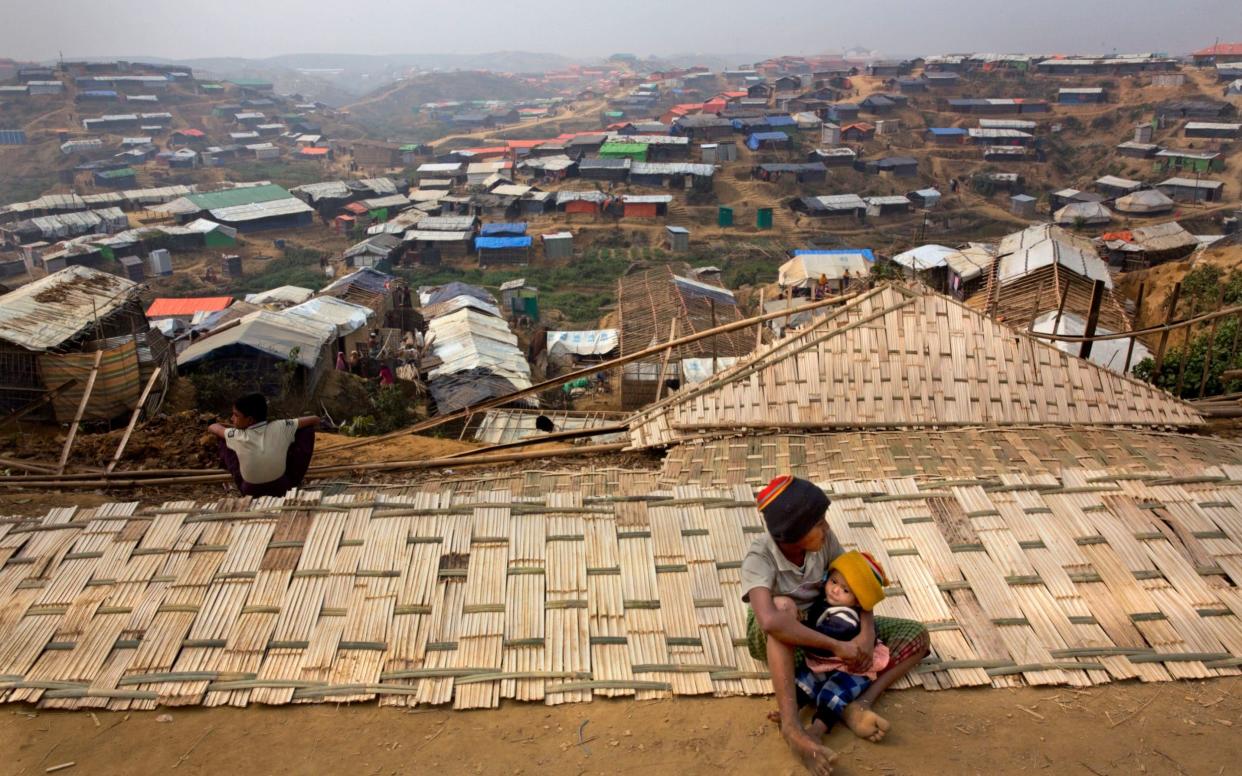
864 722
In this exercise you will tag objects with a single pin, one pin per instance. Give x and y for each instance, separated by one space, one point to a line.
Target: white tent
925 257
1083 213
805 268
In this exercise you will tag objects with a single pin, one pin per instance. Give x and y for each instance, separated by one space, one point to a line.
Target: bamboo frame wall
647 305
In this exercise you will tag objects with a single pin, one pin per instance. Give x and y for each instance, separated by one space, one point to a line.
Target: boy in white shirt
265 458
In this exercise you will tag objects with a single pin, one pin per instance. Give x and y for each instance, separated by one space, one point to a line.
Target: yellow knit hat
864 575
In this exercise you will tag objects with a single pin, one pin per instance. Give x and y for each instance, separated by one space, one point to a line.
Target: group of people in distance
812 603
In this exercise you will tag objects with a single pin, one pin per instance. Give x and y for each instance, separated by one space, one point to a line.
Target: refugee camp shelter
1192 189
831 206
1077 214
1148 202
253 352
51 331
841 267
381 292
1039 266
1146 246
653 305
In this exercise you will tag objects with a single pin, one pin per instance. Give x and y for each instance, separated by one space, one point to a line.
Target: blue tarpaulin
864 252
502 230
485 243
759 138
947 131
781 121
12 137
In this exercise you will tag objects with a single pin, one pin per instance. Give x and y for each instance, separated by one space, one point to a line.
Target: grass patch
296 267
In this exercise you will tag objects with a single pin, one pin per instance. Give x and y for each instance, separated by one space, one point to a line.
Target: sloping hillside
392 107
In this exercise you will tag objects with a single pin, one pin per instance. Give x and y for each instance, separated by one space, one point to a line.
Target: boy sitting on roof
265 459
782 576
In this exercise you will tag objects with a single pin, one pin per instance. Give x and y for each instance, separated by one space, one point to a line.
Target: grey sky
259 28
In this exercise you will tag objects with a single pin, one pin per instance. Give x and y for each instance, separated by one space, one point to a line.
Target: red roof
355 207
714 106
1221 50
191 132
309 151
166 306
525 143
487 151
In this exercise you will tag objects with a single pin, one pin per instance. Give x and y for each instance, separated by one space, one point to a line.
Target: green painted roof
253 83
243 196
623 149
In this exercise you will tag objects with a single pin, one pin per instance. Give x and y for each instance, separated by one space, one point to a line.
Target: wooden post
672 335
1138 313
1063 295
1164 335
1093 318
77 419
1211 345
133 420
1035 308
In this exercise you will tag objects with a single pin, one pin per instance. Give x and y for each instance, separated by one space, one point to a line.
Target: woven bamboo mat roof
894 358
938 454
432 598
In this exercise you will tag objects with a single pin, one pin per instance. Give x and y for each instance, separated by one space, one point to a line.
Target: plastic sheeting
596 342
347 317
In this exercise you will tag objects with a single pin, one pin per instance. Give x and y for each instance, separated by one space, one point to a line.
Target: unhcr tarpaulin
596 342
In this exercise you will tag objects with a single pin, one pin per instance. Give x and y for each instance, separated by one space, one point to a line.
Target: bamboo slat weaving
573 586
897 359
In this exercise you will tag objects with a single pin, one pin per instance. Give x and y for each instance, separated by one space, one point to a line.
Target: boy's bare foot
817 758
865 723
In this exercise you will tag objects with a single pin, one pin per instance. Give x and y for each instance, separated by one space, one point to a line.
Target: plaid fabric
831 692
903 638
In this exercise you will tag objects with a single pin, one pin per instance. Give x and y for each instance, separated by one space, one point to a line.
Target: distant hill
390 109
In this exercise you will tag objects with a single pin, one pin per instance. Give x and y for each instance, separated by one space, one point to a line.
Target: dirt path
577 112
1191 729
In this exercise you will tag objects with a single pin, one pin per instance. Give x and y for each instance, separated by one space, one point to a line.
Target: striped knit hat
791 507
864 575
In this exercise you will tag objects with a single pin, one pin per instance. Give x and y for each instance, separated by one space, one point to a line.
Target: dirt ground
1186 728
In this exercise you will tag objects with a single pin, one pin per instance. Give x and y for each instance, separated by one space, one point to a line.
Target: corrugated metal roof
1190 183
347 317
276 334
256 210
647 199
54 309
672 168
1043 245
448 223
580 196
426 235
467 339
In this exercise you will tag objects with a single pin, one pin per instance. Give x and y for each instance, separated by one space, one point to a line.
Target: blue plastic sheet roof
781 121
484 243
866 253
947 131
497 230
762 136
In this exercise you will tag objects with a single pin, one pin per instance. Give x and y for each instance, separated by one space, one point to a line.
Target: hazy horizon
237 28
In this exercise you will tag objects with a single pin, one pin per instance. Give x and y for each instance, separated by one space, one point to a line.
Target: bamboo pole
759 327
672 335
613 364
1207 357
811 425
77 418
1164 335
133 420
318 472
1138 309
